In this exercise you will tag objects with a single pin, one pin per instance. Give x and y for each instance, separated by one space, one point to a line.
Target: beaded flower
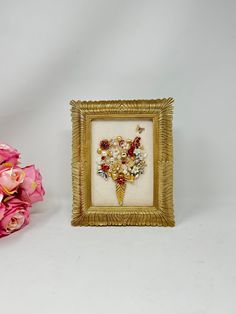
121 159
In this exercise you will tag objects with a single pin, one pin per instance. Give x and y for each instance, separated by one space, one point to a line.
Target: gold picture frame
160 111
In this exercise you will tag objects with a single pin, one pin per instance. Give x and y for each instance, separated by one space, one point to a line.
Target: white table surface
53 268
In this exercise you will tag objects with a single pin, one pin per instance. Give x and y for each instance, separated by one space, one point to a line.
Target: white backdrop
58 50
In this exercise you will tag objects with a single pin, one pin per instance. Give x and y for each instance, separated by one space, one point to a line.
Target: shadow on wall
192 178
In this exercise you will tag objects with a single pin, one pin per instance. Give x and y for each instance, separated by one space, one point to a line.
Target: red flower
136 142
104 144
131 151
120 180
105 167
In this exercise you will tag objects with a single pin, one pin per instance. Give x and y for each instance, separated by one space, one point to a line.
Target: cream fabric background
141 191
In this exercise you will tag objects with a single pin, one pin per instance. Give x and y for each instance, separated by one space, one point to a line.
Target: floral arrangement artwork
121 159
20 187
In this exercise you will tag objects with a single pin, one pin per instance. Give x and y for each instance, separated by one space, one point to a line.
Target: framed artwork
122 163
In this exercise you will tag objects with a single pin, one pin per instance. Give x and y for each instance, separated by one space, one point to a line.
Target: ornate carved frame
160 112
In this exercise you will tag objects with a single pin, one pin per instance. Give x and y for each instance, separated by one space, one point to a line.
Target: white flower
115 153
99 161
135 169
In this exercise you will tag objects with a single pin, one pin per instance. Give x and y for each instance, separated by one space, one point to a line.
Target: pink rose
15 217
31 190
8 155
10 179
2 207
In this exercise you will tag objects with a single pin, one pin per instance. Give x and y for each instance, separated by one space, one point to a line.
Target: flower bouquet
19 189
121 159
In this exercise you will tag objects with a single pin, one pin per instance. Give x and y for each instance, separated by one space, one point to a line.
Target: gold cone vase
120 192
